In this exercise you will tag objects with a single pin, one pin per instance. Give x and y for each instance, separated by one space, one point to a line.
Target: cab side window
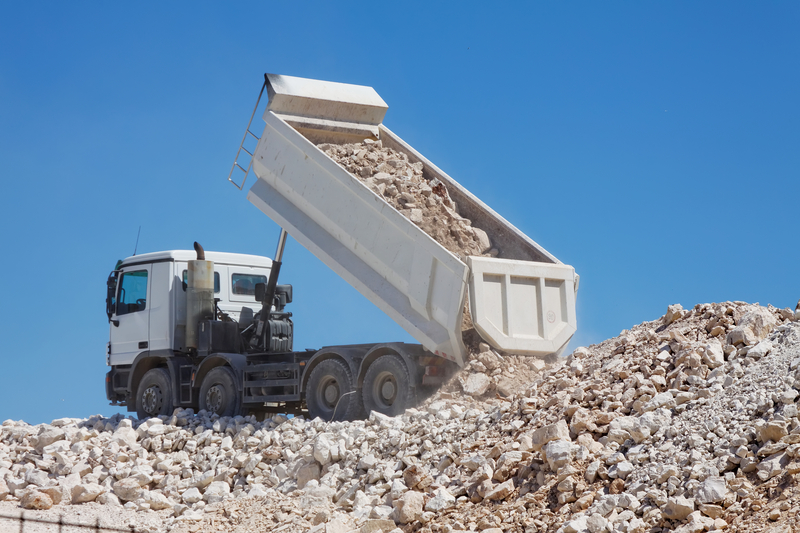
132 292
245 284
186 281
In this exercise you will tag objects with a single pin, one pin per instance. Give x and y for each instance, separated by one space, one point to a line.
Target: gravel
649 431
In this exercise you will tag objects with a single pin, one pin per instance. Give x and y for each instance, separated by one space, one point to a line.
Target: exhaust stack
199 295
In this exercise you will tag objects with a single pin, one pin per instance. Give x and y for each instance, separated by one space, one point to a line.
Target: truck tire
218 393
330 394
154 395
387 386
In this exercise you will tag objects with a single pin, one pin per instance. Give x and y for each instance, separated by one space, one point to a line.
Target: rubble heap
687 423
425 203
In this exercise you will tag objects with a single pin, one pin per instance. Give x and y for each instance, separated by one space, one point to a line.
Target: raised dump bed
522 301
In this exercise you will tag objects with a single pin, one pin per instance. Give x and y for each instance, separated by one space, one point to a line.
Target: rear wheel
154 396
330 393
387 386
218 392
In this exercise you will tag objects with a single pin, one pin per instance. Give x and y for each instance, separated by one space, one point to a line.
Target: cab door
130 320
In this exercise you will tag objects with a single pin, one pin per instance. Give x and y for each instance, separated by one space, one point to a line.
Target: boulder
86 492
501 491
752 327
409 507
191 496
441 500
712 490
128 489
543 435
558 453
33 499
477 384
677 508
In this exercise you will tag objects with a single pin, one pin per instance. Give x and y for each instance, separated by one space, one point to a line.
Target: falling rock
128 489
442 499
543 435
409 507
677 508
477 384
33 499
712 490
86 492
501 491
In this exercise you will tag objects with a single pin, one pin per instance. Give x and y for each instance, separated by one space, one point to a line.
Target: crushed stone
687 423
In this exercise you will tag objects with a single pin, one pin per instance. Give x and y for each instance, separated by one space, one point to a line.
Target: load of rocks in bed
402 185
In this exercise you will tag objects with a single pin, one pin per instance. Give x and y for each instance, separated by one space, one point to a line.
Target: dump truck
211 330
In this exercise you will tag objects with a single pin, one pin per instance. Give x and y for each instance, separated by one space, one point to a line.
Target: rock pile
402 185
687 423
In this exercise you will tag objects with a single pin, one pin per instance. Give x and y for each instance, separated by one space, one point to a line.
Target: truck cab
146 302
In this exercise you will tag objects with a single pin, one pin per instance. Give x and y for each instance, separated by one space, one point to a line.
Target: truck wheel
387 386
330 394
154 396
218 392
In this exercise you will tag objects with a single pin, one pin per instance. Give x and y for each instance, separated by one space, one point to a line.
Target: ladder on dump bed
241 145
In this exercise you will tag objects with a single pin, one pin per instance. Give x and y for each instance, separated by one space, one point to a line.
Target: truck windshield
132 292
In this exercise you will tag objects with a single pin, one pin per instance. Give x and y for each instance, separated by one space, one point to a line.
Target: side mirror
261 291
285 291
111 295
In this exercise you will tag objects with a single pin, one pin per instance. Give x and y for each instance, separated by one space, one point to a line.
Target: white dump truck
211 331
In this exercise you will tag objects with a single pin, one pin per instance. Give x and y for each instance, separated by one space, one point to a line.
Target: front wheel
330 394
387 386
154 396
218 392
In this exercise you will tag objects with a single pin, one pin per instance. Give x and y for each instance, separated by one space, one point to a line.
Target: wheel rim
215 398
384 389
151 399
328 392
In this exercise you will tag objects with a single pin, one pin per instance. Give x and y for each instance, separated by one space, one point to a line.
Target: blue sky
654 146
